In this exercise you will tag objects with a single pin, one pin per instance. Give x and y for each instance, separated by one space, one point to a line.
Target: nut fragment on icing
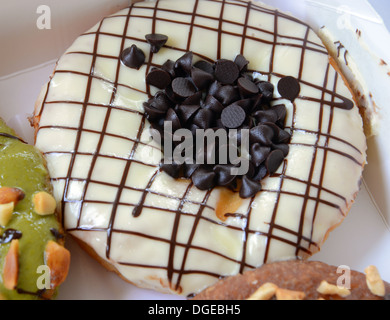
58 260
44 203
374 281
6 211
8 194
330 289
265 292
11 266
285 294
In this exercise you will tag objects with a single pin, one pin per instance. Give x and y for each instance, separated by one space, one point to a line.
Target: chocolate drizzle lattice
255 233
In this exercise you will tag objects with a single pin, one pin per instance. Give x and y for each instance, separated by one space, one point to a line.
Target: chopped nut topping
265 292
284 294
374 281
58 260
44 203
330 289
8 195
11 266
6 211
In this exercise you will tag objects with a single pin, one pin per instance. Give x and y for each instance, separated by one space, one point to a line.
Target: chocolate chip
183 65
156 41
169 66
173 117
172 169
133 57
262 134
204 179
246 104
289 88
227 94
241 62
160 101
281 111
249 188
183 87
193 128
57 234
276 130
251 170
213 104
262 116
203 118
189 169
185 112
283 136
9 235
274 160
233 116
194 99
226 71
158 78
261 173
213 89
201 79
205 66
267 90
282 147
224 175
259 153
153 113
257 102
247 87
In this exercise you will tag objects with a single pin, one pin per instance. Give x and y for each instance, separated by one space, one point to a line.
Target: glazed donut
33 260
168 231
300 280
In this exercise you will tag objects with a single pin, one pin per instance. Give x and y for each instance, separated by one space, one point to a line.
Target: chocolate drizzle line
340 46
175 273
7 135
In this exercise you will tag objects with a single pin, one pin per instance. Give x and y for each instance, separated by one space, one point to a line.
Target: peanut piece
44 203
374 281
58 260
330 289
8 195
284 294
265 292
11 266
6 211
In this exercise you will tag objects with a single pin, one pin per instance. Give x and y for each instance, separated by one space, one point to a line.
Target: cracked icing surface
92 130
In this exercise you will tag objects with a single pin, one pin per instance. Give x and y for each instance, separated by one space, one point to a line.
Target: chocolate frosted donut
300 280
165 233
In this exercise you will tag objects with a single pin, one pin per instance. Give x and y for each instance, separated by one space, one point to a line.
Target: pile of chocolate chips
219 95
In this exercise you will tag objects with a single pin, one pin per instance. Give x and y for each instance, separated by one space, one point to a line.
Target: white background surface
27 59
383 8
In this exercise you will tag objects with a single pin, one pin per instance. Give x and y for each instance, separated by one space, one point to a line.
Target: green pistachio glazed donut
33 261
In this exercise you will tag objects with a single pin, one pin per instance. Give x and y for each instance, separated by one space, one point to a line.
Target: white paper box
28 55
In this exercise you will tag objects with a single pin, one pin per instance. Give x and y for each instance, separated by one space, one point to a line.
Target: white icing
214 248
